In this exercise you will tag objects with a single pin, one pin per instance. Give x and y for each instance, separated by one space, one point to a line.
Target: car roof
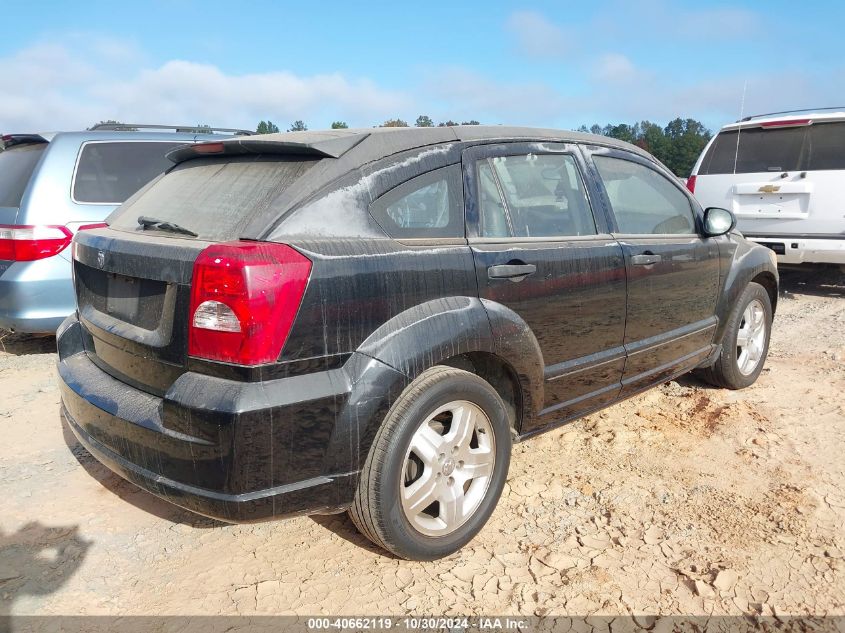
371 144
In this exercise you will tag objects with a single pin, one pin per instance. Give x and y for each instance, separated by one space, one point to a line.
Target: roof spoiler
10 140
327 144
184 129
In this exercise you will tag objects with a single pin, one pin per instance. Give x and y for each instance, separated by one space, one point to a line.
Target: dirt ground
687 500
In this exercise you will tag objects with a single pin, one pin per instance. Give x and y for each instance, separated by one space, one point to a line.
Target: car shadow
816 281
129 492
342 525
20 344
36 561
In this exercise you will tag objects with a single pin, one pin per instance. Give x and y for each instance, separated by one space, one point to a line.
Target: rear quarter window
16 167
427 206
110 172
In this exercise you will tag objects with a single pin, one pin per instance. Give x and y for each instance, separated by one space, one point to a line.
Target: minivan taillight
244 298
20 243
691 184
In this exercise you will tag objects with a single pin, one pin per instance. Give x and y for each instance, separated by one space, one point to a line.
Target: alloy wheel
447 469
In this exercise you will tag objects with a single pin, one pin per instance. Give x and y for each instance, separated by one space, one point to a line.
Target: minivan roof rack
191 129
759 116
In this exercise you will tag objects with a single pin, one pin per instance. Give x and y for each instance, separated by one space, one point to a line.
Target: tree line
677 145
268 127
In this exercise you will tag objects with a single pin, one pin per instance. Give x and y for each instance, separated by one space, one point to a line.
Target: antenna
739 131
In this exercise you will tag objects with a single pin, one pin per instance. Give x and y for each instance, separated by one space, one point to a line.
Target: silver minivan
782 176
53 185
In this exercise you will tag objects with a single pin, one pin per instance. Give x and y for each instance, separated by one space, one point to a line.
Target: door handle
515 271
646 259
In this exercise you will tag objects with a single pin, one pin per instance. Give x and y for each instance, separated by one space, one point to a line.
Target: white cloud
617 68
463 94
64 86
538 37
718 23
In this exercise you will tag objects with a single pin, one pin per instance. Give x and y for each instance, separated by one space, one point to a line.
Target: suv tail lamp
244 298
691 184
20 243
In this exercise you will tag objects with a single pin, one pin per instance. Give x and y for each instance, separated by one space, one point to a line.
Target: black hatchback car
366 320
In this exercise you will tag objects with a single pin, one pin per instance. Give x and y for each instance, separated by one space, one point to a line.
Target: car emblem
769 189
101 259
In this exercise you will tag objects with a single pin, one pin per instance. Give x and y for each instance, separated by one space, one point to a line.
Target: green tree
339 125
677 145
394 123
424 121
471 122
298 126
449 123
266 127
686 139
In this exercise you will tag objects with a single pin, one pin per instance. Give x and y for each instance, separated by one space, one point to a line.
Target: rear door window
543 193
16 167
110 172
428 206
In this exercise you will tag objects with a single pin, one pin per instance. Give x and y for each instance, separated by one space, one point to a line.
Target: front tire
746 341
436 468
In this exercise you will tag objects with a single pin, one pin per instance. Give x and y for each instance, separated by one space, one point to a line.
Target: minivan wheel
746 341
436 468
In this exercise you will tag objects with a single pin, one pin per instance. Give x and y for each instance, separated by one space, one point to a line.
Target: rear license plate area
123 297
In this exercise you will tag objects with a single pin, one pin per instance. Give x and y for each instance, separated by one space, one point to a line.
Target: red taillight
28 243
691 184
208 148
787 123
98 225
244 298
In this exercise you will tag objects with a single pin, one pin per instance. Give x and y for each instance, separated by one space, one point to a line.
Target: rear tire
436 468
746 341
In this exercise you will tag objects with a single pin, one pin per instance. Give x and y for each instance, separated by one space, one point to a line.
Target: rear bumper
35 296
802 250
233 451
302 497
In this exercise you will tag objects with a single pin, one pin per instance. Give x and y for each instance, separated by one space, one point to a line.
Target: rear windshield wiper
164 225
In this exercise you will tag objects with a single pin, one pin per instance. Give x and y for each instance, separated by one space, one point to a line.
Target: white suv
783 176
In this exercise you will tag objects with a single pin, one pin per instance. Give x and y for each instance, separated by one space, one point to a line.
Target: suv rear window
213 197
825 146
812 147
108 172
16 167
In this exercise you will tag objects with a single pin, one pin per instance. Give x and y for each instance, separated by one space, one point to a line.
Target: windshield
214 198
16 167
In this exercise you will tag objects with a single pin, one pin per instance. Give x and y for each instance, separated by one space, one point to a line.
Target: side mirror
718 221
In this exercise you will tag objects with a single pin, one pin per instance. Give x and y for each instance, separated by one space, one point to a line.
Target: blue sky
555 64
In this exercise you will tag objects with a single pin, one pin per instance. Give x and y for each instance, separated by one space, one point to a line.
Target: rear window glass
215 198
110 172
825 146
759 150
16 167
